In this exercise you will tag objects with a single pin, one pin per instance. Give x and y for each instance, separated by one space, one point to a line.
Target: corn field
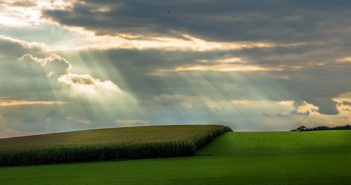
108 144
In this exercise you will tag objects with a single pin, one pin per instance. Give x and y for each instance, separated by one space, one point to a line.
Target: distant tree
301 128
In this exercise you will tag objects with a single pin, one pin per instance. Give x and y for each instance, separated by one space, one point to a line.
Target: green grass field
259 158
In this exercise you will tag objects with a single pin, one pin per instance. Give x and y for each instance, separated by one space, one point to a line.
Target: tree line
303 128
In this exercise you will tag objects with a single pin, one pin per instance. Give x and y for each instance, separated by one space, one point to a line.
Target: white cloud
79 84
307 108
344 105
85 84
54 64
308 114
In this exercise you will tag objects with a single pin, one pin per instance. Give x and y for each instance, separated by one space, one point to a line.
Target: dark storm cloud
319 84
313 74
315 35
310 73
289 20
321 23
138 69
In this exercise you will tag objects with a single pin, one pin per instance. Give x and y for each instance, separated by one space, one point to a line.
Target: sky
253 65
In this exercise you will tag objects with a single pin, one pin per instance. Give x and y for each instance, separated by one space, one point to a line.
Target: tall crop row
179 146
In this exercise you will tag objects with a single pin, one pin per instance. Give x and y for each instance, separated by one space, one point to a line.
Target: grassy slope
234 158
